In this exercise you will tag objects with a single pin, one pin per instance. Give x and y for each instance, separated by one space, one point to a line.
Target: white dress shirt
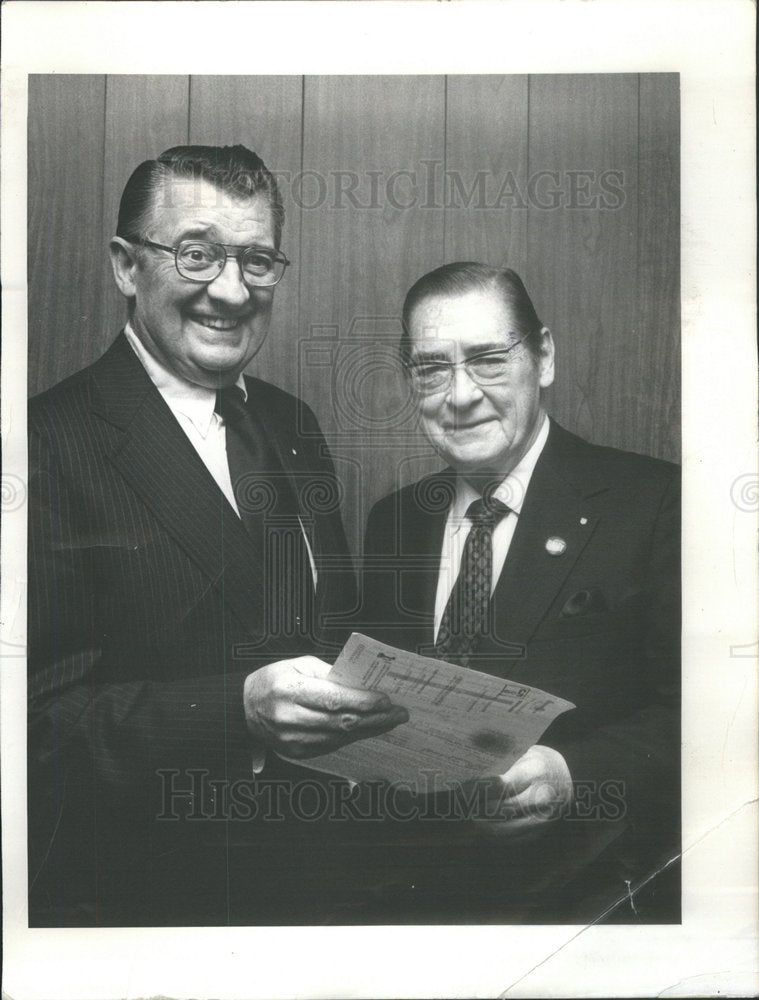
511 491
194 407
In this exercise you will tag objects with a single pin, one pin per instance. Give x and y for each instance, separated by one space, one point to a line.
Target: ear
546 359
125 264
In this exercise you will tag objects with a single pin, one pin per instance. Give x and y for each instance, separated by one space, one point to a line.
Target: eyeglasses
199 260
486 368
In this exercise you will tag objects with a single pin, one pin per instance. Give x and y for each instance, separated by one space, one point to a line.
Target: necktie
269 511
466 618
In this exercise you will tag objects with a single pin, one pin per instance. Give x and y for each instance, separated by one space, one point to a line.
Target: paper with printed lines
463 724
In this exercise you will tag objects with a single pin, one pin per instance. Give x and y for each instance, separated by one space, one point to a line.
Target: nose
463 390
228 286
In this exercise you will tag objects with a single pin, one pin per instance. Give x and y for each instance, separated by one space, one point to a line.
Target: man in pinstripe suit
170 646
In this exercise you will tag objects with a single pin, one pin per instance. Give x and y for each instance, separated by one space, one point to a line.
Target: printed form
463 724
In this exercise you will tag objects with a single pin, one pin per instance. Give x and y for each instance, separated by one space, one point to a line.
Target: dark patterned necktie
466 615
269 511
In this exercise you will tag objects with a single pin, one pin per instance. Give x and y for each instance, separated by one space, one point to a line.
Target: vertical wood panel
604 277
653 417
486 165
65 206
367 234
582 244
144 116
263 113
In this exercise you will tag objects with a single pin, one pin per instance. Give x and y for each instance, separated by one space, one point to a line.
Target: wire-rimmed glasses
203 261
486 368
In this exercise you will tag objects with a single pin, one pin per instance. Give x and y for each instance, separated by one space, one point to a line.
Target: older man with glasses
179 582
543 559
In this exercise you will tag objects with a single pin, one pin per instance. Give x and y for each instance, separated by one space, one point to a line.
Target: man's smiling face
480 429
206 333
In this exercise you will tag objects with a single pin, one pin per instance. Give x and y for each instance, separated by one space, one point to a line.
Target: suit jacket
147 609
595 620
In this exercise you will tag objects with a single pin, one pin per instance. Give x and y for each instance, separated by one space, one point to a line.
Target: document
463 724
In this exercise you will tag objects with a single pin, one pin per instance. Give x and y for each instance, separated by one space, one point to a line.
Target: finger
319 693
302 742
532 766
310 666
519 777
291 717
369 725
540 800
364 730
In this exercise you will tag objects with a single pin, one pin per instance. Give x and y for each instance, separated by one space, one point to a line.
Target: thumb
520 775
311 666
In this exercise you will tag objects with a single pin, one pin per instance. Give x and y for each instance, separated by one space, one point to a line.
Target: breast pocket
626 617
593 623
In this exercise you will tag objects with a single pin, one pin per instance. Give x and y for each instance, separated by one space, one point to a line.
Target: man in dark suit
578 546
186 555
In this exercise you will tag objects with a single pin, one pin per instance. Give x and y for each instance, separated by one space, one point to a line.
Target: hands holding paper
293 709
534 791
462 724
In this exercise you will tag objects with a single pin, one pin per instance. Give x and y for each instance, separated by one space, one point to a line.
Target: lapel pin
583 520
555 546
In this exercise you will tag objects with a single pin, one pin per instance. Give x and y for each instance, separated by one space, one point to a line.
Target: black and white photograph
190 579
355 532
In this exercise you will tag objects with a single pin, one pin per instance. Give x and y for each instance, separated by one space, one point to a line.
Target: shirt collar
196 402
511 490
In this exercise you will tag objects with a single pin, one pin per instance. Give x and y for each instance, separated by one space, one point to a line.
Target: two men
179 583
578 548
181 591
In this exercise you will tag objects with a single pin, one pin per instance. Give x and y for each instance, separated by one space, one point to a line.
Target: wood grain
361 161
486 167
65 209
144 116
652 418
263 113
582 250
367 233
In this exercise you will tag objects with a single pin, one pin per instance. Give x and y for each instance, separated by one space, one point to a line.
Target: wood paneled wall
571 180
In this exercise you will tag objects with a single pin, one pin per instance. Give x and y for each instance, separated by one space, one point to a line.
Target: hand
293 709
533 792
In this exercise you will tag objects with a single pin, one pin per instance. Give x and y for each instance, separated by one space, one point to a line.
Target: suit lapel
421 527
291 462
556 508
303 479
554 526
155 456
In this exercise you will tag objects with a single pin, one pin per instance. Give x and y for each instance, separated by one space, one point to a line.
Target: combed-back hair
233 169
461 277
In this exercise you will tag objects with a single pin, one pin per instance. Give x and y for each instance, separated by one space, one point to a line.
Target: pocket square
582 603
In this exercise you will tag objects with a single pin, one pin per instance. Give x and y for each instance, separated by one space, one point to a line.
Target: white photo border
710 45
